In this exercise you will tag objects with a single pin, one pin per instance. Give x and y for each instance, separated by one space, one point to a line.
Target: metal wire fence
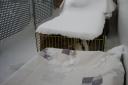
42 10
14 16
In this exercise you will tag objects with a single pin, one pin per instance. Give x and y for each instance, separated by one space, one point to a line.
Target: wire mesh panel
63 42
14 16
42 10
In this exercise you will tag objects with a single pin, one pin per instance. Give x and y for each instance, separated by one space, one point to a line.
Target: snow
79 20
68 24
123 30
38 71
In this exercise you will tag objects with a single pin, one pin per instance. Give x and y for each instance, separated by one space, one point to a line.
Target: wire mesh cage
63 42
58 41
42 10
14 16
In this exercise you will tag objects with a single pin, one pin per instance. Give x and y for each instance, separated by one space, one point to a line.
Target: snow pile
83 19
91 64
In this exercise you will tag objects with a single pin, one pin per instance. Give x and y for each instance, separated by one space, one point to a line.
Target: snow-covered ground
15 51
